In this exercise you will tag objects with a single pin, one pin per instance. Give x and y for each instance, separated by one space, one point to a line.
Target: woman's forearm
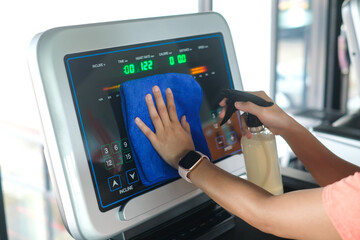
223 187
298 215
323 165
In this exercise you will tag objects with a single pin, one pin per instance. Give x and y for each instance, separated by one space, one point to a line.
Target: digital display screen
95 78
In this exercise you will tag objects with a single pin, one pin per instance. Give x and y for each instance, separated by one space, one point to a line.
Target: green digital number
146 65
181 58
150 64
129 69
171 60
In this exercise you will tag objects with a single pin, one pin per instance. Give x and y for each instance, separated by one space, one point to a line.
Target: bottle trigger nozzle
233 96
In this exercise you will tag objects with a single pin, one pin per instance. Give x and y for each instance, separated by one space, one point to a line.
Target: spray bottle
261 159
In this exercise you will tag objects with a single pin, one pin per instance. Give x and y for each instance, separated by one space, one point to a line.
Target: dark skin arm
298 215
324 166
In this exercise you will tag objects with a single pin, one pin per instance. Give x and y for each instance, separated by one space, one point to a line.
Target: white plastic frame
65 153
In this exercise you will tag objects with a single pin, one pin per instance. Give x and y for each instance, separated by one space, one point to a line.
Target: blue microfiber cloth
188 98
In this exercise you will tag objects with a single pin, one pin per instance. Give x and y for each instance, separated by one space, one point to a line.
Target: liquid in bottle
261 160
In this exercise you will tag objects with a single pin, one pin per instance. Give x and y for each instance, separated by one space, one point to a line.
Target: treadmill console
95 79
77 72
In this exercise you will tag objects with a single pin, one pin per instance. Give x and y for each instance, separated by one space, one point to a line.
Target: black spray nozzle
252 120
233 96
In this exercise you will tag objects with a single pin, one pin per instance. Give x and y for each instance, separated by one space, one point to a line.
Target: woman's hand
171 139
272 117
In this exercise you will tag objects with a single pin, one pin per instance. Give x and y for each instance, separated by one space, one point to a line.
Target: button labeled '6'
115 147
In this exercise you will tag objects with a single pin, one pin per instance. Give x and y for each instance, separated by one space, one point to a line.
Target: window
250 25
292 78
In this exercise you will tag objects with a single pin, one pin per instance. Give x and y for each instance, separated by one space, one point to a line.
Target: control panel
95 78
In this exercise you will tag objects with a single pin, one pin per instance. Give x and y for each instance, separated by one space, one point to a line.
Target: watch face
189 160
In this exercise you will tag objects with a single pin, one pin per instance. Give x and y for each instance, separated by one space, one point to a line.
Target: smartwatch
188 163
